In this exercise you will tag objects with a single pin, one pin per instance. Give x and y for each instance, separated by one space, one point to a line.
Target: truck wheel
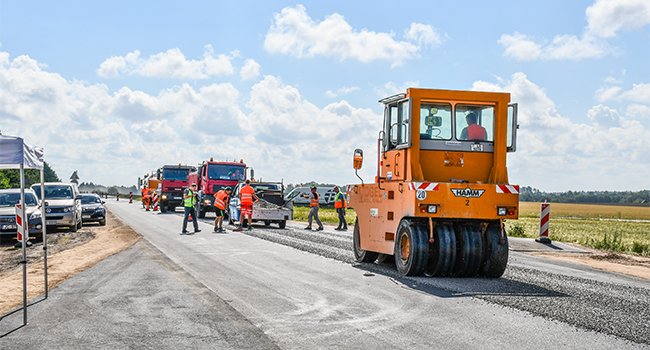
411 249
282 224
267 223
359 254
163 207
442 254
469 250
496 258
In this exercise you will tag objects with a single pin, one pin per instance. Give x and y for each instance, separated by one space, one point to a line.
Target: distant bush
517 230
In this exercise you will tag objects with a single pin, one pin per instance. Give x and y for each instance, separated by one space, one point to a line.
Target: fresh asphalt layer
203 288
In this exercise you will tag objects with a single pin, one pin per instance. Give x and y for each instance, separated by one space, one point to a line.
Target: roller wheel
496 257
442 255
469 250
411 249
361 255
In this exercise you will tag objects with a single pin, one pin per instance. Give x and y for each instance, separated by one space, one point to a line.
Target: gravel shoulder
68 254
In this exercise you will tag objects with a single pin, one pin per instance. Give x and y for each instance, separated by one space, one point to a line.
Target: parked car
62 204
8 200
92 209
326 194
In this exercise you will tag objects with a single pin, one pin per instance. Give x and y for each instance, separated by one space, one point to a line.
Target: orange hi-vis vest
476 132
339 201
246 195
313 202
220 199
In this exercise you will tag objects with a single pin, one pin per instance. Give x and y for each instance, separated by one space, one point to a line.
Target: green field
608 227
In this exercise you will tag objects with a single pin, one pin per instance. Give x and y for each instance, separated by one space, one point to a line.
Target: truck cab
211 176
173 180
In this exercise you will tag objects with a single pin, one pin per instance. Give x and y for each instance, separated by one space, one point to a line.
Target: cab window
435 121
474 123
397 124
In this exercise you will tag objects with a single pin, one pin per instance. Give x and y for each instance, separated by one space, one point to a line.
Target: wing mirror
358 159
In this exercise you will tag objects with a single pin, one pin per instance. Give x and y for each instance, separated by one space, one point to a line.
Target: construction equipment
441 193
272 207
211 176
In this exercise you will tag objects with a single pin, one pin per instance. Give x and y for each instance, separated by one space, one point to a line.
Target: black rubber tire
102 222
418 249
74 227
163 207
361 255
267 223
469 250
442 253
282 224
496 252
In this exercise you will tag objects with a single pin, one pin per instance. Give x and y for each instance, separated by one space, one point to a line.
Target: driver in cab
473 131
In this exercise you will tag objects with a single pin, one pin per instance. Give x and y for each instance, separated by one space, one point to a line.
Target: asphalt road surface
300 290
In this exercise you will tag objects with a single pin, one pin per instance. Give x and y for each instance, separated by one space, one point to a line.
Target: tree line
10 178
529 194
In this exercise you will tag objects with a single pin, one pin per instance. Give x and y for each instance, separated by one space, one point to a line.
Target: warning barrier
544 220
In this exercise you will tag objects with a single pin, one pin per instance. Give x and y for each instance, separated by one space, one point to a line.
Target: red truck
211 176
173 181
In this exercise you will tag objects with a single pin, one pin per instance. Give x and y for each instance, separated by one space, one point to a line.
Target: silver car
8 200
62 204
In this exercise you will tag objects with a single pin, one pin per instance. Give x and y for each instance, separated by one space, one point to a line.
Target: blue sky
117 89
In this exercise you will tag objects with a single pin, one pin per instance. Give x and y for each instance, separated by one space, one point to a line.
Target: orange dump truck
441 194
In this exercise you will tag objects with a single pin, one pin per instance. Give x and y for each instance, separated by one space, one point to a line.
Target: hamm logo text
467 192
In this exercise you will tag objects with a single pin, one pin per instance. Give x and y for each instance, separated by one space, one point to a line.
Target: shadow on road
458 287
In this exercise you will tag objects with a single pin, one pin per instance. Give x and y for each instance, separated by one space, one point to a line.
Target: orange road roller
441 194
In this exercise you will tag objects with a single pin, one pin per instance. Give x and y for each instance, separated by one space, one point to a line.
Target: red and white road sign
544 220
425 186
19 224
512 189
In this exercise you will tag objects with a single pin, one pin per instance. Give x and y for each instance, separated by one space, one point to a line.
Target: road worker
339 205
247 198
220 201
189 204
142 192
313 209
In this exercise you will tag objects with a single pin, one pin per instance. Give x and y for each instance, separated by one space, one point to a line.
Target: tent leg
44 230
25 235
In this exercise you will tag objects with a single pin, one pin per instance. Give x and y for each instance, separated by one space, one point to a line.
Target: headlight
164 196
68 209
206 201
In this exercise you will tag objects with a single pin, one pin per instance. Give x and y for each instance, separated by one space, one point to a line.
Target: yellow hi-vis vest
189 202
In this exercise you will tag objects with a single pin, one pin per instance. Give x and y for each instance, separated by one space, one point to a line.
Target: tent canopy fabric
14 152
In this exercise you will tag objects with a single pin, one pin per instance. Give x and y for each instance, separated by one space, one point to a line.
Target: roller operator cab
441 194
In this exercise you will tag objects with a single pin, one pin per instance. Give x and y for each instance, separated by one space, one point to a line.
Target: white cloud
607 93
169 64
423 34
341 91
295 33
557 153
523 48
112 137
520 47
605 18
250 70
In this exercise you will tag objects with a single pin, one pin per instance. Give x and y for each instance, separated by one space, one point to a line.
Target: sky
117 89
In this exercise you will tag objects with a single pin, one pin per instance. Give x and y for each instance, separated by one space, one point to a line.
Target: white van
325 195
62 204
